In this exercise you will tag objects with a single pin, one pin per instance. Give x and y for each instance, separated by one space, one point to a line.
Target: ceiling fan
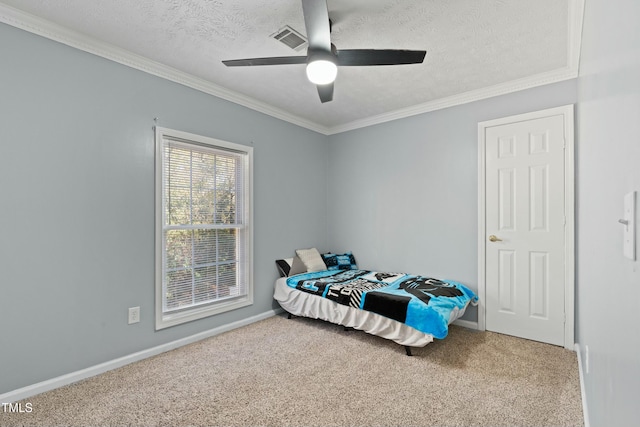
322 56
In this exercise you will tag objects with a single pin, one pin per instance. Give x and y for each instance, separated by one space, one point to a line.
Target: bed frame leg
289 316
408 350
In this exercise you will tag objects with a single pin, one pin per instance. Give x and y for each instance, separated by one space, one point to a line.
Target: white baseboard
53 383
582 389
466 324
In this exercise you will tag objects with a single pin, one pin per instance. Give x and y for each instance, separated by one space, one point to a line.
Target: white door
525 243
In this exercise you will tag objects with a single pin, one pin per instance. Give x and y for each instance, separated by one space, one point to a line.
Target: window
203 227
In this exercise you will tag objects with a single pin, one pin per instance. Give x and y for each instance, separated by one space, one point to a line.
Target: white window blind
204 226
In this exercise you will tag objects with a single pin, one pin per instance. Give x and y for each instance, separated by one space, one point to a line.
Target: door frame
569 206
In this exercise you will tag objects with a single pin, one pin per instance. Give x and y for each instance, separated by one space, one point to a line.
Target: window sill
172 319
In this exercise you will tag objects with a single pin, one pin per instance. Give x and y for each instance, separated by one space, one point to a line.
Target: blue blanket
423 303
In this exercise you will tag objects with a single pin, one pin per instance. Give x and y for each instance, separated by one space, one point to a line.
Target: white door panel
524 204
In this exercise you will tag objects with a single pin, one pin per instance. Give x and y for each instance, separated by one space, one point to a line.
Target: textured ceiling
471 45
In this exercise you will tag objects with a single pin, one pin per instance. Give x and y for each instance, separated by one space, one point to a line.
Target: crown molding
33 24
463 98
575 16
47 29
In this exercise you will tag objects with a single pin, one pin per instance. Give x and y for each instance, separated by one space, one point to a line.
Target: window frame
245 267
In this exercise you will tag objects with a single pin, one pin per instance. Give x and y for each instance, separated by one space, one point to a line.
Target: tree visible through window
204 226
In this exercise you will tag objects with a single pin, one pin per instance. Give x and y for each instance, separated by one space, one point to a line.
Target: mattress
305 304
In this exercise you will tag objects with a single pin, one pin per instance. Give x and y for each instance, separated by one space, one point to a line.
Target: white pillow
311 259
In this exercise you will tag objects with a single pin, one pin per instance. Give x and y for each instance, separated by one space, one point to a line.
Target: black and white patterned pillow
344 261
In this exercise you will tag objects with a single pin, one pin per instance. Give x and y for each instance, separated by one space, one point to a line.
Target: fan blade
316 20
274 60
325 92
379 56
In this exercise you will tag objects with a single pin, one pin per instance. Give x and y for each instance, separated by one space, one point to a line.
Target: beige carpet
303 372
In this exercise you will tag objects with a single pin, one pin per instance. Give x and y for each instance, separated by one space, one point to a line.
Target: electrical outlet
134 315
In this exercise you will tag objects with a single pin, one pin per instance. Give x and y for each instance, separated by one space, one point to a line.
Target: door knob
493 238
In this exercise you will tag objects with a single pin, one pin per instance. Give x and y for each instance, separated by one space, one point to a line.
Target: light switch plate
629 236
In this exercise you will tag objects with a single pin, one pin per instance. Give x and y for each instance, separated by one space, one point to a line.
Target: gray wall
403 195
608 127
77 203
76 200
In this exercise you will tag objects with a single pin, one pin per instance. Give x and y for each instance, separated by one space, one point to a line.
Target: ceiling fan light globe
321 71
